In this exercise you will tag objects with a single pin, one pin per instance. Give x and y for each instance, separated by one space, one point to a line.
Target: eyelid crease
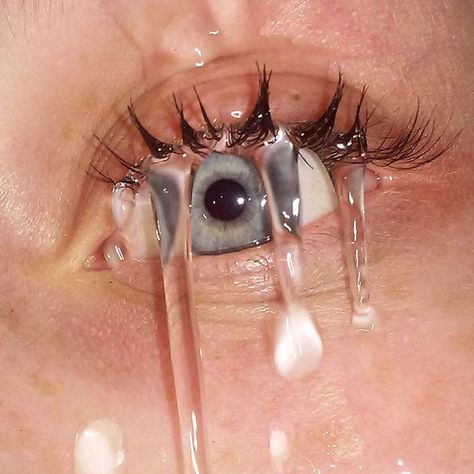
414 145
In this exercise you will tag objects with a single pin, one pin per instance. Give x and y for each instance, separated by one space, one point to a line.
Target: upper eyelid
414 145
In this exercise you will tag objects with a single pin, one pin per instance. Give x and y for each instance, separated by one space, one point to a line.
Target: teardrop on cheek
99 449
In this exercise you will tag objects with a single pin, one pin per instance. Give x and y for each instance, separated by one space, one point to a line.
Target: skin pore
77 345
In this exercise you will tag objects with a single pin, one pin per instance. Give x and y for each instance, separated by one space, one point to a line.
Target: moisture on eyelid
133 215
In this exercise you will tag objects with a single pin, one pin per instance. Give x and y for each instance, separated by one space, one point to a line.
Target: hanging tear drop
349 181
297 344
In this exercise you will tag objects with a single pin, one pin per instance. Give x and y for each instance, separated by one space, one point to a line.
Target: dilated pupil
225 199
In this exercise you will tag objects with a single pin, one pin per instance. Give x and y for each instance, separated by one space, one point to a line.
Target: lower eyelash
417 144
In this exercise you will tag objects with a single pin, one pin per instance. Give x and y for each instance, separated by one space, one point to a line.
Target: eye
228 205
229 209
228 202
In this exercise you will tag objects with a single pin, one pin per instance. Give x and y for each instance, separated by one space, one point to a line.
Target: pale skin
78 345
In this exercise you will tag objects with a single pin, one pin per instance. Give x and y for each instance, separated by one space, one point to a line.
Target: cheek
79 357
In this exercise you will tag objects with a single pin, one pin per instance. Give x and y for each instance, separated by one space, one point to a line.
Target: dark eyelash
158 149
315 134
255 130
417 144
133 178
259 125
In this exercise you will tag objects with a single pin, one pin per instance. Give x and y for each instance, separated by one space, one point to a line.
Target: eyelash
416 145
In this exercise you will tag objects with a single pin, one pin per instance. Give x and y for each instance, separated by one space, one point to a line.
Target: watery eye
229 210
228 205
228 200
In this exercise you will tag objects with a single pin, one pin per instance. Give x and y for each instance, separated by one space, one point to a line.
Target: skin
78 345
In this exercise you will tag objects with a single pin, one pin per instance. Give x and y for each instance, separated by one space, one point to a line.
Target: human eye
228 204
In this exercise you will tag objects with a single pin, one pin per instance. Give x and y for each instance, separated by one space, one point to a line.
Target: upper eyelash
416 145
259 125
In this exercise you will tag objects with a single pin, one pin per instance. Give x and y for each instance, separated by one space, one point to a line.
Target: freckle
451 302
461 342
66 131
10 320
377 254
430 400
296 97
88 100
83 58
44 386
22 439
158 16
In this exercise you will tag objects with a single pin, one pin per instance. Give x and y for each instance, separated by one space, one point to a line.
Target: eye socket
228 205
228 210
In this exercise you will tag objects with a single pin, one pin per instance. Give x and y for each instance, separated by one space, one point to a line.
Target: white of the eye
318 197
